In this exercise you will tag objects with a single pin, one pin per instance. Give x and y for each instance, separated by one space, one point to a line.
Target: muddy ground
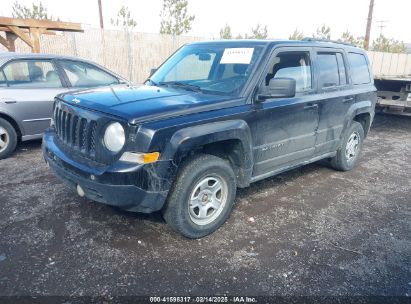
316 232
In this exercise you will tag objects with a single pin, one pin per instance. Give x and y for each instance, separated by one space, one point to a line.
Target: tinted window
32 74
83 75
329 74
359 69
296 65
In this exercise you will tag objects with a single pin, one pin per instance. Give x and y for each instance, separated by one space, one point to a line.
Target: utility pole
100 10
369 21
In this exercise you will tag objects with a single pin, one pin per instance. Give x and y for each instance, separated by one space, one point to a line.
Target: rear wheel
8 138
202 196
347 156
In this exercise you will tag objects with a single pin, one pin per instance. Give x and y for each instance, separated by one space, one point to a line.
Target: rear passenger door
334 97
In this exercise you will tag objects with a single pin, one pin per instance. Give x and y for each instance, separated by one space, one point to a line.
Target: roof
4 56
254 42
7 56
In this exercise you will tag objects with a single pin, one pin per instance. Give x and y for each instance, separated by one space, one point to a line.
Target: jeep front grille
76 132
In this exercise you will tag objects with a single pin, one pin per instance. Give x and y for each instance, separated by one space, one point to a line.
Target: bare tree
259 32
225 32
175 19
347 37
323 32
35 11
296 35
384 44
124 20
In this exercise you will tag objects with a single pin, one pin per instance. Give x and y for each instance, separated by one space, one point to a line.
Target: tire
8 138
195 207
348 155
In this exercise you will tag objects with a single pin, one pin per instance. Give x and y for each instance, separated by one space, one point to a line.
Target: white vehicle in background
392 78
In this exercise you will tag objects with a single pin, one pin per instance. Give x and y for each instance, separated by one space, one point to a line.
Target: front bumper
106 185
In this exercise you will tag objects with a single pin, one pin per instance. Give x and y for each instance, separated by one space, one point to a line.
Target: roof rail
327 40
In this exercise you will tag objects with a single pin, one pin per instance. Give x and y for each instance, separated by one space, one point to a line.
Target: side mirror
279 88
152 71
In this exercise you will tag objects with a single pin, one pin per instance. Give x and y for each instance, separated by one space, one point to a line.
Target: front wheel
202 196
347 156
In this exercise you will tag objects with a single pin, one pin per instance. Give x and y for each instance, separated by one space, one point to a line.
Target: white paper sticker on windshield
237 55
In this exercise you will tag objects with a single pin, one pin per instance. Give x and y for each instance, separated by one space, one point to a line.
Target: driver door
284 129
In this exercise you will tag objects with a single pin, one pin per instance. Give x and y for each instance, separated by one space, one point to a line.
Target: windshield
211 68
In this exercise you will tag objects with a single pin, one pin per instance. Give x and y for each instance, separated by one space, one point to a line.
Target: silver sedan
28 85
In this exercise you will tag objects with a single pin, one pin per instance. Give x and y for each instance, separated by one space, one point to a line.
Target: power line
381 25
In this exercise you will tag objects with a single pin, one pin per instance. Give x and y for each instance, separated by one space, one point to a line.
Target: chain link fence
131 55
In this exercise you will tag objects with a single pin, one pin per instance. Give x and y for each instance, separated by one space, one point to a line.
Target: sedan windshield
208 68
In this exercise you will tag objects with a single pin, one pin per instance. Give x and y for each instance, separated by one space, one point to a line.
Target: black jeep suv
213 117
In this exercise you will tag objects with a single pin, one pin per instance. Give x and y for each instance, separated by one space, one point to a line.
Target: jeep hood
139 103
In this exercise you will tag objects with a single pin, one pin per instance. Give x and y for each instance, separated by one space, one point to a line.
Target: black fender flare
362 107
188 139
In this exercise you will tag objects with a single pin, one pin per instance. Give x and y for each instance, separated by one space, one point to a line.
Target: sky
281 17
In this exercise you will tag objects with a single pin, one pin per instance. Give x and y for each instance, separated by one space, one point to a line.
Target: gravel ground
315 232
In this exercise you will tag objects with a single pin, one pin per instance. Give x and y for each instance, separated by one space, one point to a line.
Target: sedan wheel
8 138
4 139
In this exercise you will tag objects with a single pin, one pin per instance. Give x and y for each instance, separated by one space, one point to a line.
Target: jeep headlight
114 137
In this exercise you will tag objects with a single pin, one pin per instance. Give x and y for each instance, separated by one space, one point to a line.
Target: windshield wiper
183 85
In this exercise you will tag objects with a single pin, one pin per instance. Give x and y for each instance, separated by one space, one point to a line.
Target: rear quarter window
360 73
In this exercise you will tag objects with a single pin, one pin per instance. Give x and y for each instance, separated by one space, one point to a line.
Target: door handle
8 100
311 106
346 99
